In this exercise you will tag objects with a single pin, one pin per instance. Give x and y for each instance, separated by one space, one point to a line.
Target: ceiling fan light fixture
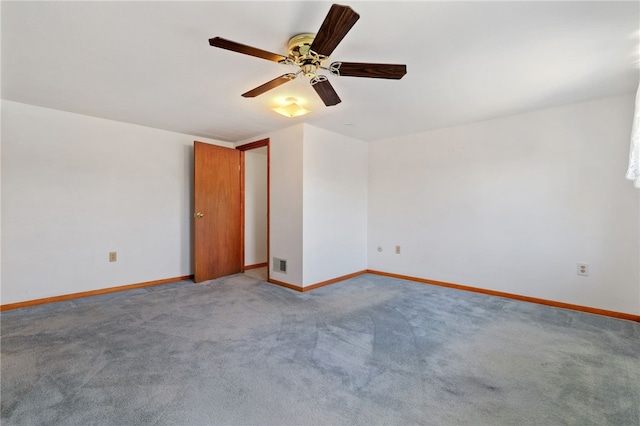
308 52
291 109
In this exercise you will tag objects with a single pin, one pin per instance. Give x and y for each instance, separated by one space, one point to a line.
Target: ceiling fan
310 51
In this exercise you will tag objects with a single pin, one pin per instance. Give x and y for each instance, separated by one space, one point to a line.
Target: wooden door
217 212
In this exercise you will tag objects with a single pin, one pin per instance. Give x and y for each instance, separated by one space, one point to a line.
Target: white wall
509 204
334 205
285 170
513 204
318 204
255 218
75 188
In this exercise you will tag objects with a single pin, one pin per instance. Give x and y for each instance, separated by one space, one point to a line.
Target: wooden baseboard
316 285
65 297
614 314
597 311
287 285
257 265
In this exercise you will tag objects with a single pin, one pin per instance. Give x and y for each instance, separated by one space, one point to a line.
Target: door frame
243 148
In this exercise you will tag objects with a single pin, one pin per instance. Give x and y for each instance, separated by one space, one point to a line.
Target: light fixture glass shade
291 110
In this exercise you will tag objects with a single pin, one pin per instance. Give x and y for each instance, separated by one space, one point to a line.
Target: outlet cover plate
583 269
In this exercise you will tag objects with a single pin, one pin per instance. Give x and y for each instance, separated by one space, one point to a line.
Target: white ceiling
150 63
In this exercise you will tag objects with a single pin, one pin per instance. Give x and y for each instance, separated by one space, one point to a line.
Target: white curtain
633 173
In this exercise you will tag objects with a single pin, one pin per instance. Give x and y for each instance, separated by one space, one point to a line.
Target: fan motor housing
300 44
300 54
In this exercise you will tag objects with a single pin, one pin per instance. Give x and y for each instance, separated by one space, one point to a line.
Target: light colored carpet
369 350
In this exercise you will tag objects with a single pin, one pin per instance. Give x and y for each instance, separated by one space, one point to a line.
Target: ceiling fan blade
269 85
243 48
325 90
336 25
363 69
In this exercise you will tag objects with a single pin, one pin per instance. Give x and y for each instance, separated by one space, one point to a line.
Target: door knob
199 215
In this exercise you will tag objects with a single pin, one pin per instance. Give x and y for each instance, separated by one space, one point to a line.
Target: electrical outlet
583 268
113 256
397 249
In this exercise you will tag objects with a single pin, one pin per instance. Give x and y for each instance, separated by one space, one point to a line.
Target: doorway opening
254 181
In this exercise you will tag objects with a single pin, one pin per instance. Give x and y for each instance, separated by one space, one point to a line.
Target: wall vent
279 265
